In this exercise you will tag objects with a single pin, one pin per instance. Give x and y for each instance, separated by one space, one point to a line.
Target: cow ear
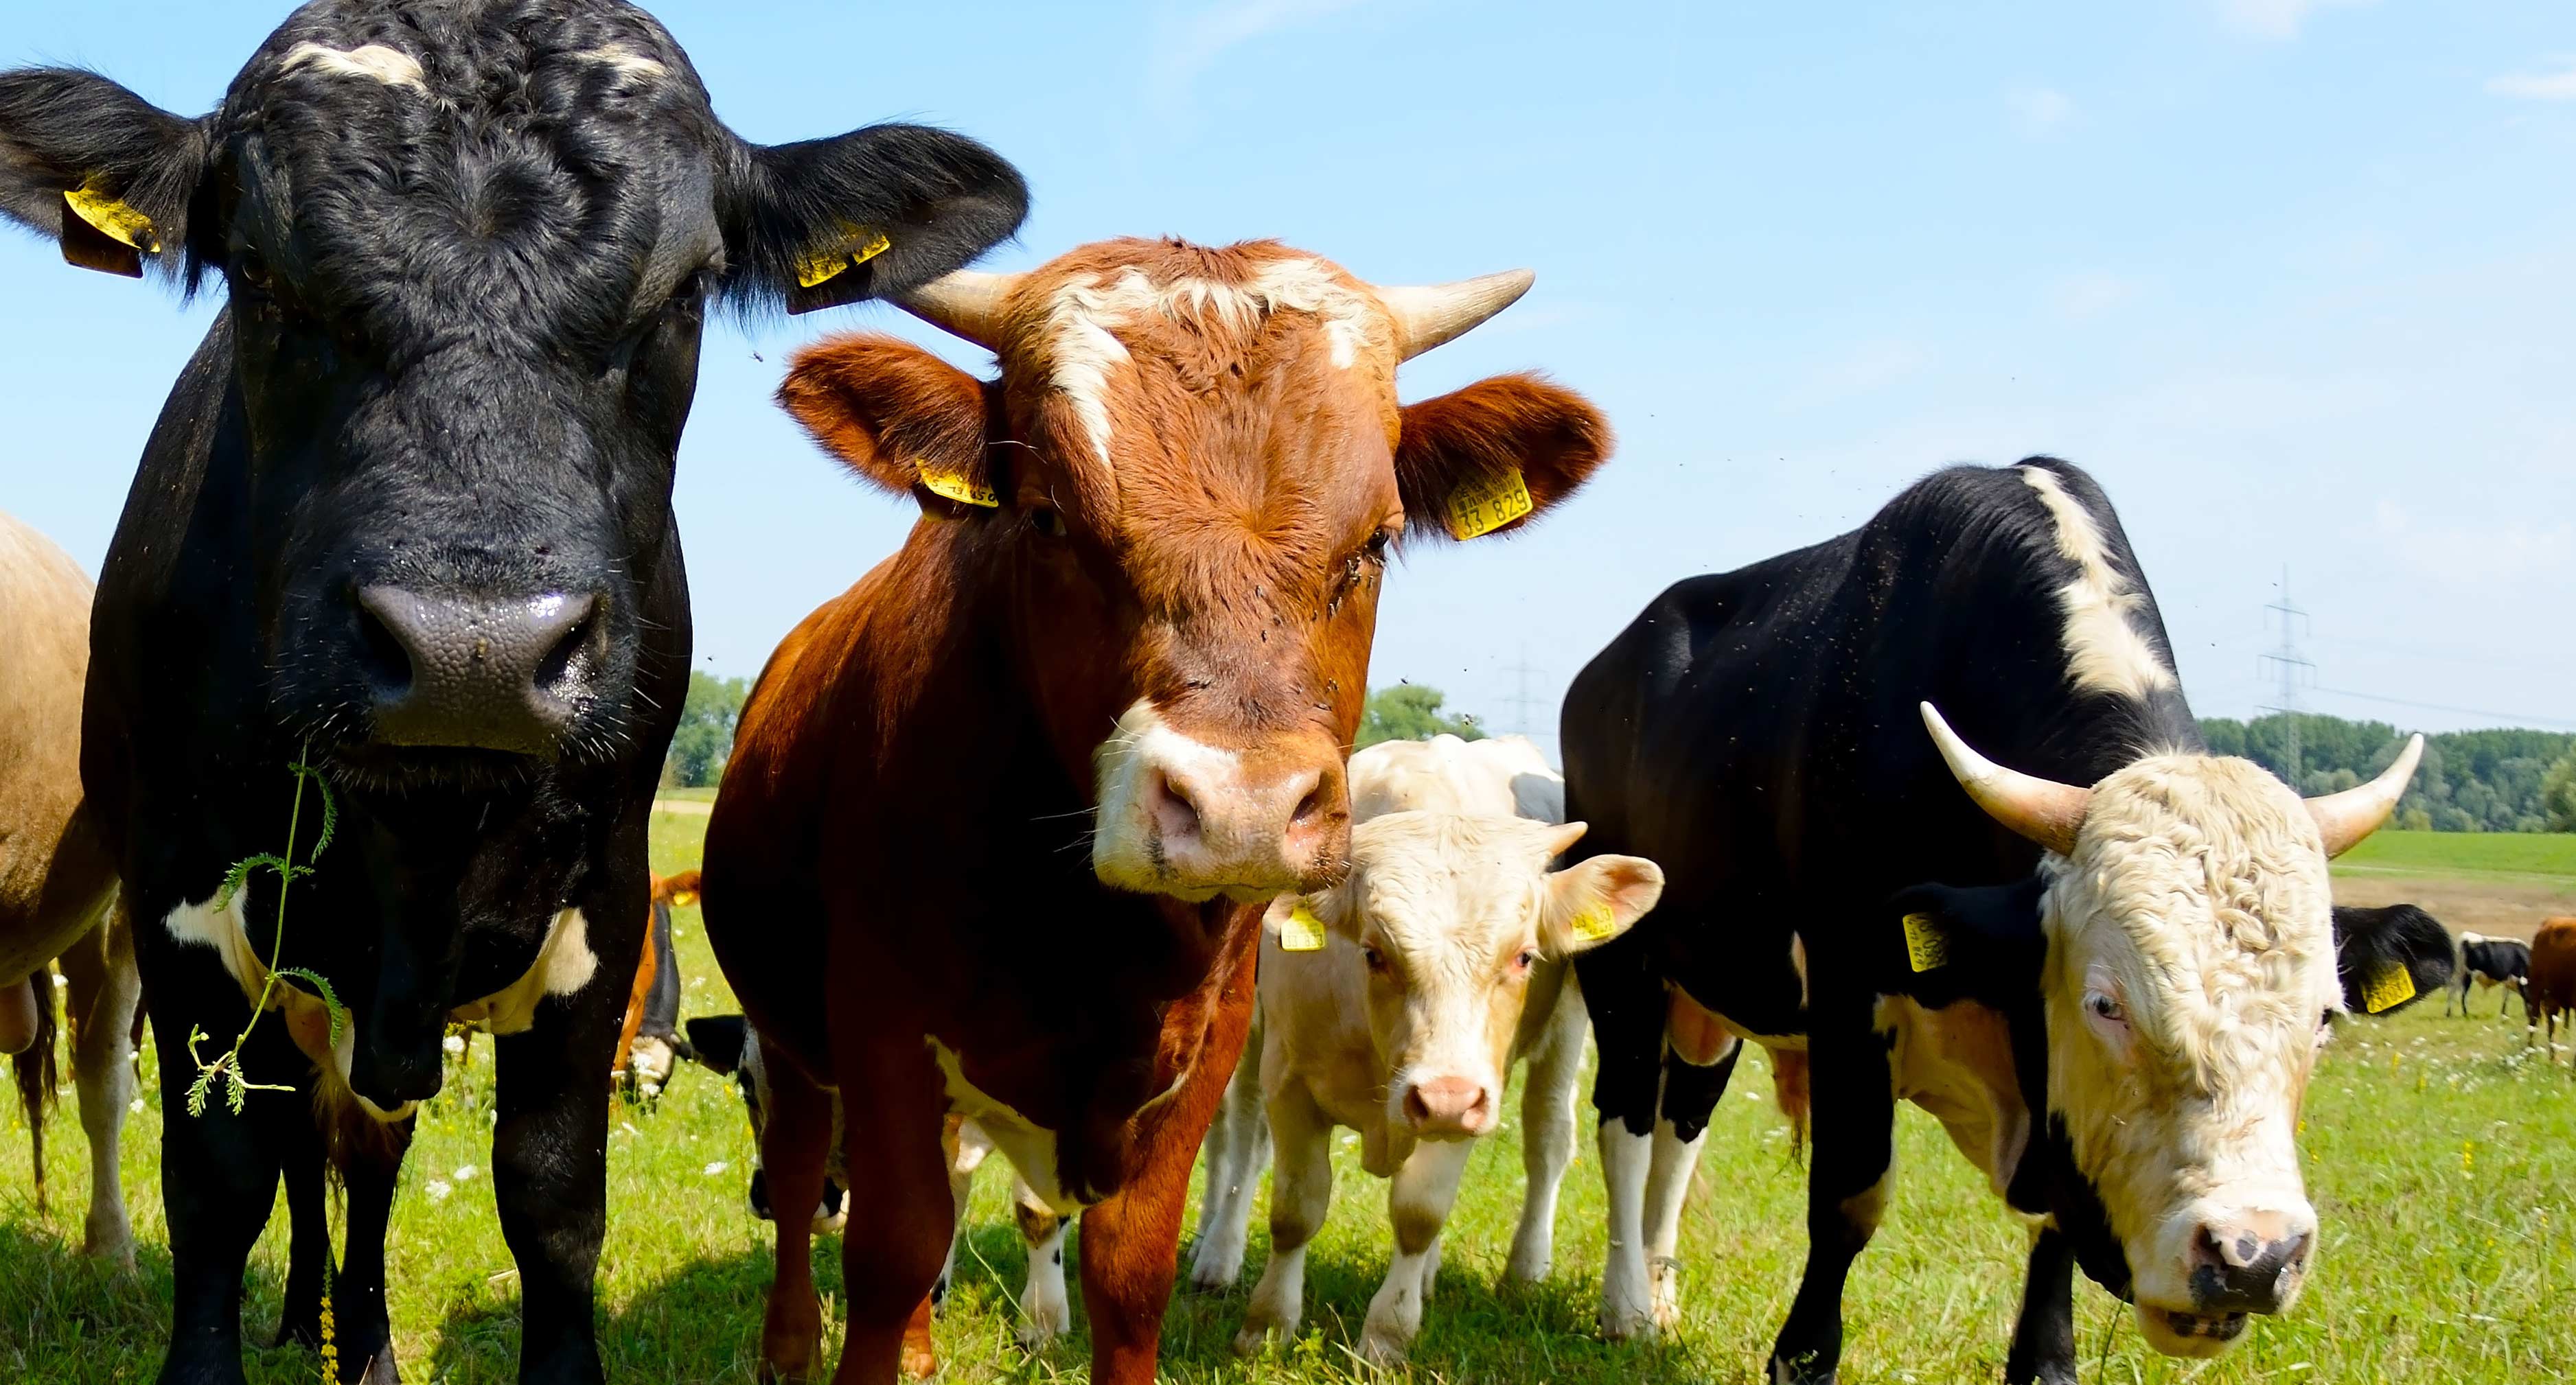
1943 943
875 212
1488 457
2387 959
718 1041
897 416
1300 921
107 174
1595 900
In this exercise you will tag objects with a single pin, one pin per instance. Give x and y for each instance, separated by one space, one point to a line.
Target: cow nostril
1311 806
1175 816
383 657
564 663
1416 1109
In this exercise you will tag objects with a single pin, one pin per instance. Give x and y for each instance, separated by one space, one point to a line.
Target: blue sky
2294 278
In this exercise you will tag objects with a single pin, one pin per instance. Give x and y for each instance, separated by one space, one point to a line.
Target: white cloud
2040 111
2476 556
2275 18
2538 86
1187 44
2083 297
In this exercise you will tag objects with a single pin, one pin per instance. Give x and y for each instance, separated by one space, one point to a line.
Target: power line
2461 711
1522 700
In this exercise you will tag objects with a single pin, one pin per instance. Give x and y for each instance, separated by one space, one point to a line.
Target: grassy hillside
2442 1159
2466 853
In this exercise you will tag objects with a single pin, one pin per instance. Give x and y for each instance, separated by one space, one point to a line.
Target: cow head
1188 479
2182 942
1452 917
468 249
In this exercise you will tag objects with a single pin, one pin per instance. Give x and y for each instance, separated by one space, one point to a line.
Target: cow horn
2043 810
2343 819
967 303
1426 316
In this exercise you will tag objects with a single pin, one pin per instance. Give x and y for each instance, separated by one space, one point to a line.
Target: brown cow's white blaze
2190 966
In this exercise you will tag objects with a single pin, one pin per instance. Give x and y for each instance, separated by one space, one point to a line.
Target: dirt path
2500 906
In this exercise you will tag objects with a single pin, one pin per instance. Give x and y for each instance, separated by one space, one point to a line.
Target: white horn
2043 810
967 303
1426 316
2343 819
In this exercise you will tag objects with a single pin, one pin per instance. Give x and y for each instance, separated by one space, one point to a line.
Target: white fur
372 61
564 965
625 62
1627 1288
1123 842
1030 1148
2104 650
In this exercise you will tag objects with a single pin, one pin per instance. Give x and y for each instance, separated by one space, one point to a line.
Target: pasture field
2498 883
2545 854
2442 1157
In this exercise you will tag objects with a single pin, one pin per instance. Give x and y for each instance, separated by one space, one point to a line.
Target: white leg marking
1045 1310
1627 1304
1547 1136
1667 1186
1301 1194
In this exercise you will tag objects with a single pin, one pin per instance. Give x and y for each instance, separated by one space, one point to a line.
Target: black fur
458 353
2368 941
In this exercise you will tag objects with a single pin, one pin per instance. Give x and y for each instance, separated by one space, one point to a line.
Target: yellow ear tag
1595 923
857 247
1302 932
113 219
957 486
1487 503
2393 986
1925 946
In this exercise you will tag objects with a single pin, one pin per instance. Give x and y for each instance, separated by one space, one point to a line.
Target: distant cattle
404 529
57 882
2106 967
2551 991
1000 821
2490 962
1397 1004
649 1042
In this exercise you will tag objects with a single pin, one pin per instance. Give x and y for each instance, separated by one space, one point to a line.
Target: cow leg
1547 1136
1418 1203
1045 1310
2043 1345
896 1235
794 1126
965 1151
1301 1194
105 992
219 1170
1627 1003
550 1177
1854 1118
1689 1099
364 1335
1238 1147
308 1245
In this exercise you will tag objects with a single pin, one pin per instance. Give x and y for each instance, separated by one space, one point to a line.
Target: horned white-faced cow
405 522
1136 618
2113 1001
57 881
1397 1004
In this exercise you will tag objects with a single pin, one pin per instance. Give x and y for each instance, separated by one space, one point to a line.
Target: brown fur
2551 990
887 859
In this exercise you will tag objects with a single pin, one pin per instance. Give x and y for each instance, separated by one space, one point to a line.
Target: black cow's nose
475 671
2239 1272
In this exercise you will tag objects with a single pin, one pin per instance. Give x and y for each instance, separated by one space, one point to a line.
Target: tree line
2470 781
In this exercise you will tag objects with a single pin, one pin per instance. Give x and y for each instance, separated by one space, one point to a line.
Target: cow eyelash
2103 1007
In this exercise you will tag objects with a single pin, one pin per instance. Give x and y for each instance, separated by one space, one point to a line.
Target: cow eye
1525 961
1378 543
2102 1007
1046 520
250 271
1376 959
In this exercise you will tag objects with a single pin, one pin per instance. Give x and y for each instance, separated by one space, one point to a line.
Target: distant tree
1411 712
704 741
2558 795
2470 781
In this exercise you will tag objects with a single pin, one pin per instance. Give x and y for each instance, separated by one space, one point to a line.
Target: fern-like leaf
330 810
330 998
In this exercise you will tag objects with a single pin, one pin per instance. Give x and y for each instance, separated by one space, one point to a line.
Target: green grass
2536 854
2443 1162
702 795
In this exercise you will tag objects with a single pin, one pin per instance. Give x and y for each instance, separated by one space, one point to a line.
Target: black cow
2504 962
1764 734
406 519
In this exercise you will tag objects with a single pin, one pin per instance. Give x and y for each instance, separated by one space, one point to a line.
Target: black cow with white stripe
2106 967
406 520
2490 963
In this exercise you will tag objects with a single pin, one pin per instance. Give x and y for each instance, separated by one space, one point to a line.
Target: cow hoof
299 1331
116 1247
1255 1336
1782 1374
919 1363
1382 1350
1667 1295
380 1370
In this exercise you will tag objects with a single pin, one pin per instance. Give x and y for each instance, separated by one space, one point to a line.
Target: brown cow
2551 990
56 881
1000 820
